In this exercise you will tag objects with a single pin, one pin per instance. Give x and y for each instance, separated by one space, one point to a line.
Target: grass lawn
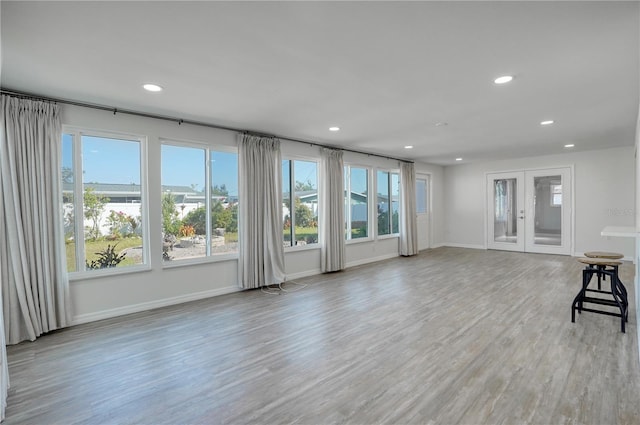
308 234
92 247
302 233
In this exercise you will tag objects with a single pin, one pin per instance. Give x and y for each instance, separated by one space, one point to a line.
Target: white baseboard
436 245
150 305
463 245
372 260
306 273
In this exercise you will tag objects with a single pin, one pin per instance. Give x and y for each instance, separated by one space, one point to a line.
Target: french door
530 211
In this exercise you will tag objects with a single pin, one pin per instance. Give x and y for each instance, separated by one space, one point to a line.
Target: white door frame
568 204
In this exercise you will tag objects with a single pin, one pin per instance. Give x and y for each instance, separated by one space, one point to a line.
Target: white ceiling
385 72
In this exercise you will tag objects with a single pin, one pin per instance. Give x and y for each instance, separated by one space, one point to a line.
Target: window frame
81 273
390 172
208 148
292 176
349 240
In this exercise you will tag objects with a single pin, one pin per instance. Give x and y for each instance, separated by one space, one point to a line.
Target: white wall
96 298
603 194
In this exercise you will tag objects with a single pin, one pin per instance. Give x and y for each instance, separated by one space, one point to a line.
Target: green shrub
106 259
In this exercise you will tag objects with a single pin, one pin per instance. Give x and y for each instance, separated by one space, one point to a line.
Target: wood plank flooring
452 336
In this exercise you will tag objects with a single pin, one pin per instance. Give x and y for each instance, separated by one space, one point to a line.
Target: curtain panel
4 366
332 225
35 286
261 249
408 210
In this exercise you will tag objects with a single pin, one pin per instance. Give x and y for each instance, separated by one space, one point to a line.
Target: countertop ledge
620 231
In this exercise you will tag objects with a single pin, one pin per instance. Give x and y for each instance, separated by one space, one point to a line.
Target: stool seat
603 254
599 262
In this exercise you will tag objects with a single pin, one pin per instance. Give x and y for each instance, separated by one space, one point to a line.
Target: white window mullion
390 203
207 201
292 198
144 200
78 201
347 212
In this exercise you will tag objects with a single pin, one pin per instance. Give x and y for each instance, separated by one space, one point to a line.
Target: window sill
200 260
383 237
359 240
298 248
96 274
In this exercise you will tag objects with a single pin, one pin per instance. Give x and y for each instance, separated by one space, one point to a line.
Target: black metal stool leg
618 297
621 293
577 301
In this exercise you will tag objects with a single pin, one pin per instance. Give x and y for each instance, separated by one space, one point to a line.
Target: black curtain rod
179 121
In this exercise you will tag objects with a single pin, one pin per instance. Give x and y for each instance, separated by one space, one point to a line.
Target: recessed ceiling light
152 87
547 122
458 159
504 79
570 145
334 128
408 147
441 124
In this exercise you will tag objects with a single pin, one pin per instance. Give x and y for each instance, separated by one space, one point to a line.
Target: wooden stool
603 254
602 267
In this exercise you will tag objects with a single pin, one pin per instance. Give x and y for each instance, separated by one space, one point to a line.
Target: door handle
521 217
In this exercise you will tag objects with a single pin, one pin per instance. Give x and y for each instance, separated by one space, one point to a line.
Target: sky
117 161
359 180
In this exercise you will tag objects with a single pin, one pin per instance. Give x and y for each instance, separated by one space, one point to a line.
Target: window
387 202
224 202
556 195
199 214
102 178
356 198
300 202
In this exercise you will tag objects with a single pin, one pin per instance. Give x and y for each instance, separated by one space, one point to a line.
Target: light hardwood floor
449 336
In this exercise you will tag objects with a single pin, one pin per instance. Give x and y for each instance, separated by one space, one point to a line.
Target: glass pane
286 202
358 200
306 202
183 204
112 202
395 203
505 222
548 210
224 202
383 203
421 196
68 212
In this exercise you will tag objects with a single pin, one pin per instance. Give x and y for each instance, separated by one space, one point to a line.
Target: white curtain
35 286
408 221
332 227
4 366
261 256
